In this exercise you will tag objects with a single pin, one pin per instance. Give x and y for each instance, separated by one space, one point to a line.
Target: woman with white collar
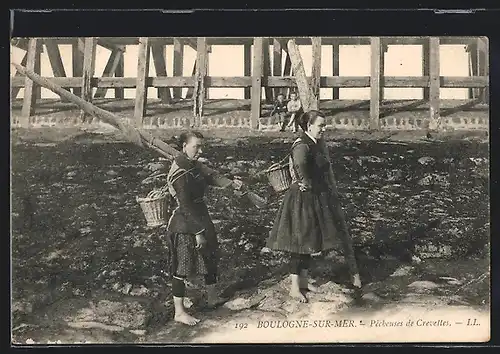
310 219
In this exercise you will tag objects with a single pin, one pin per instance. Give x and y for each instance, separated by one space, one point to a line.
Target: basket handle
282 162
171 182
289 153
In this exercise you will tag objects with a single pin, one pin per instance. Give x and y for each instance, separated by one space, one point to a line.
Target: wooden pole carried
137 136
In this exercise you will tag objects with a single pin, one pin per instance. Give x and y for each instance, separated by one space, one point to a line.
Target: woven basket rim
146 199
277 166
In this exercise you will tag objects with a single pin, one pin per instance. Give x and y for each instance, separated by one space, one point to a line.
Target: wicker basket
279 176
156 210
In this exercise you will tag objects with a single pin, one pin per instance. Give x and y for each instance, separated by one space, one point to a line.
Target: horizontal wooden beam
21 43
115 42
103 42
244 81
193 43
366 40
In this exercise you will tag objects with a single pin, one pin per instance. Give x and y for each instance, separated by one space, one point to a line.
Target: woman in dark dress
310 219
193 241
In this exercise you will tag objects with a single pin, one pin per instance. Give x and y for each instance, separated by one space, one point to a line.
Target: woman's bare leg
295 288
180 314
296 264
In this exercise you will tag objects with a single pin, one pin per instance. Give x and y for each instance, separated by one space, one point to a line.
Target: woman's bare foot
186 319
297 295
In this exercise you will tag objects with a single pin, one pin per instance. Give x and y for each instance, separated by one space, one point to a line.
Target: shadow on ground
417 210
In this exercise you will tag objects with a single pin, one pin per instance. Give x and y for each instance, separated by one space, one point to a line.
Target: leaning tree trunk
306 94
138 136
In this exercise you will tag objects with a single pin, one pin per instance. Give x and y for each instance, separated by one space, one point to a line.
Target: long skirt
307 223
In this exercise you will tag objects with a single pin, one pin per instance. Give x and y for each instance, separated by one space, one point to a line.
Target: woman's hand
200 241
356 281
237 184
304 187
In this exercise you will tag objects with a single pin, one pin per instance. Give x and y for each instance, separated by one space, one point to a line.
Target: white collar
313 139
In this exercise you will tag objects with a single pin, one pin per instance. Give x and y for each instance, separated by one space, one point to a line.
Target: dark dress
310 219
188 182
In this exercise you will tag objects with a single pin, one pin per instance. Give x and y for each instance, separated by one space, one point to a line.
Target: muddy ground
87 269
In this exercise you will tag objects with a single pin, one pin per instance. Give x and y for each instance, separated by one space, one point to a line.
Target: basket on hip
279 176
156 207
282 174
